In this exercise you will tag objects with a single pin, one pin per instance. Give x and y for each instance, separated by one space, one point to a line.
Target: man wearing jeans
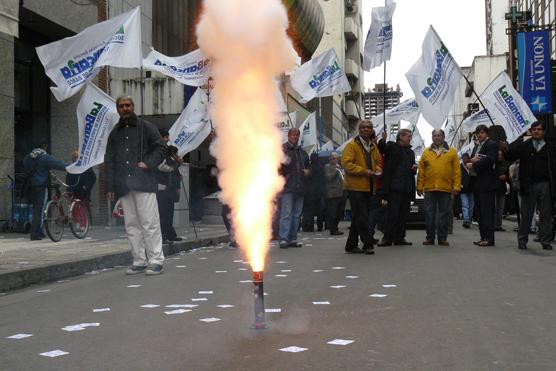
291 199
133 153
439 177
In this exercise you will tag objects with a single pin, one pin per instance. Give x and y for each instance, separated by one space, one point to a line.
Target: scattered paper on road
286 270
242 269
54 353
133 286
273 310
101 310
238 261
19 336
338 268
340 342
80 326
181 306
177 311
199 299
378 295
43 290
281 262
246 281
388 286
293 349
318 270
281 275
149 306
352 277
203 258
220 271
206 292
181 266
321 303
212 319
338 286
225 306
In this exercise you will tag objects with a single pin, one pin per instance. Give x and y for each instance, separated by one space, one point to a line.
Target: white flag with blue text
478 118
96 117
322 76
408 110
193 125
417 144
308 131
507 107
192 69
378 45
434 79
73 61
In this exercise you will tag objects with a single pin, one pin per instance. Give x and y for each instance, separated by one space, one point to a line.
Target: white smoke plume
247 41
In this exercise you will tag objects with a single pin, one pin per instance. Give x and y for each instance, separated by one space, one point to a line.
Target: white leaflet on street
340 342
318 270
321 303
181 266
206 292
199 299
181 306
211 319
378 295
54 353
281 275
43 290
352 277
220 271
134 286
203 258
387 286
225 306
62 281
242 269
309 244
286 270
338 286
281 262
293 349
238 261
150 306
23 263
177 311
338 268
245 281
273 310
73 328
101 310
265 294
19 336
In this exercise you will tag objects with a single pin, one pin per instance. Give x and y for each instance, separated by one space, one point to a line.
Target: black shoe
375 241
499 229
36 238
522 246
319 229
294 244
176 239
403 243
466 225
368 250
233 244
536 239
336 233
283 244
356 250
384 243
547 247
166 242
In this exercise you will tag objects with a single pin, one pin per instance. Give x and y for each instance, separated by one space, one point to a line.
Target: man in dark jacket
537 183
398 186
169 181
133 153
486 182
291 200
313 198
38 164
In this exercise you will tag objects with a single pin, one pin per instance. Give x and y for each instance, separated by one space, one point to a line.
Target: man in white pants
133 153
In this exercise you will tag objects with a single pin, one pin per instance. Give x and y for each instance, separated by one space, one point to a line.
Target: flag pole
478 98
384 89
142 91
321 121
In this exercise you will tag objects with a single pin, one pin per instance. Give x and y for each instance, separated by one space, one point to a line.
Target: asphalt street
461 307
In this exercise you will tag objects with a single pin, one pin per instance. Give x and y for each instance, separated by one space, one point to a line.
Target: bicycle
65 209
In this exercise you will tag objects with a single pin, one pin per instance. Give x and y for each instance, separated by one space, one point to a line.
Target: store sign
534 70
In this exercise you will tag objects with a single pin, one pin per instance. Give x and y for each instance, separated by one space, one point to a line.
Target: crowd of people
381 179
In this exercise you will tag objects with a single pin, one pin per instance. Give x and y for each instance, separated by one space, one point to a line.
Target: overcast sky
459 23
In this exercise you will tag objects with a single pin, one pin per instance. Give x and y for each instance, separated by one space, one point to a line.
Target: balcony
353 70
351 110
350 29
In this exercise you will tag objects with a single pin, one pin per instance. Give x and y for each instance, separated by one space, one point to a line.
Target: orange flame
247 42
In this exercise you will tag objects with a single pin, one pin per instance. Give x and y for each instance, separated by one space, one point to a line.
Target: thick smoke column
247 42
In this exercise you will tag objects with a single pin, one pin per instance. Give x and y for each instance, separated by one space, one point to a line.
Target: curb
26 277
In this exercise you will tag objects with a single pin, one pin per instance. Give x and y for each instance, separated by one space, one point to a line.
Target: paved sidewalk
24 262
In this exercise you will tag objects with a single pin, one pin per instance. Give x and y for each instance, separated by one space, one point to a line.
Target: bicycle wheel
54 220
80 219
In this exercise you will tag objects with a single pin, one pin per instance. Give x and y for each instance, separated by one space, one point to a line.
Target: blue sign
534 70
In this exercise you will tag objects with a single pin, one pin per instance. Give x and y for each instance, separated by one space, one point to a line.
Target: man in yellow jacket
439 177
361 162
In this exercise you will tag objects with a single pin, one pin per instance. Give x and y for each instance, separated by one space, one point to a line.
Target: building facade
381 98
497 41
